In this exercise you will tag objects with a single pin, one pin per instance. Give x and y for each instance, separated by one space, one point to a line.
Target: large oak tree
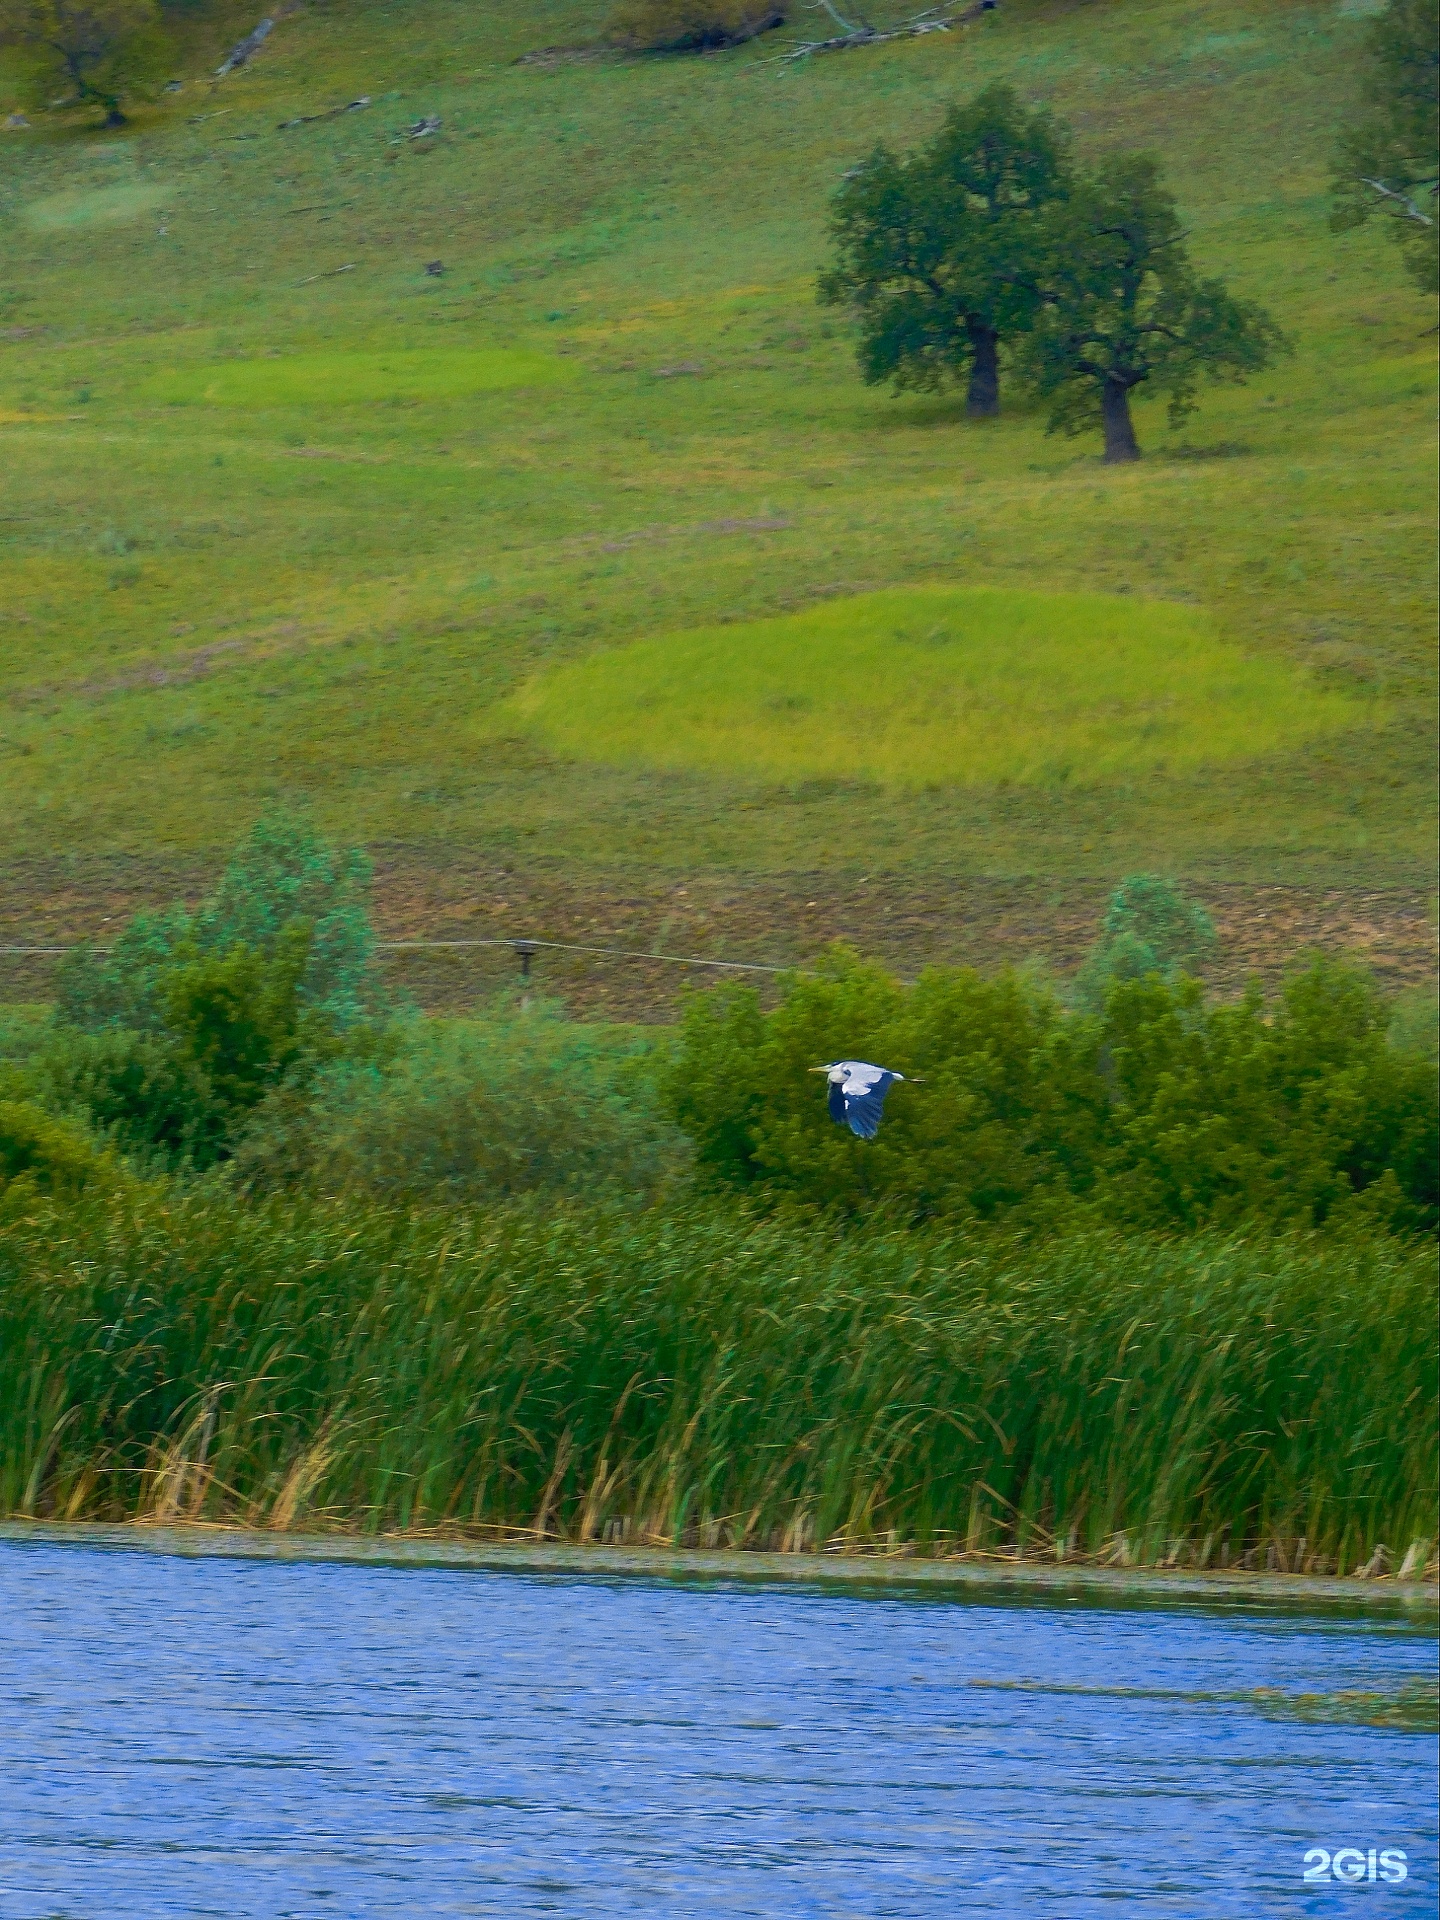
936 248
103 51
1124 308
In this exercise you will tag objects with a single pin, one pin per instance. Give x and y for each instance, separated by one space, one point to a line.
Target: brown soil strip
901 920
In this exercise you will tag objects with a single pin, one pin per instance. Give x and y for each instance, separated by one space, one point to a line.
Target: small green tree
105 51
231 1031
1387 163
1149 927
282 875
937 248
1124 308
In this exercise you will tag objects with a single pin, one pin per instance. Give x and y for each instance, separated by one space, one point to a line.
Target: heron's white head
834 1073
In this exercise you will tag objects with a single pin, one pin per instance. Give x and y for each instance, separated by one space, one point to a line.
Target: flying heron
857 1094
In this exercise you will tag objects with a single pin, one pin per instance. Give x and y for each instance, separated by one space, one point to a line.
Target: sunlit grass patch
347 378
937 685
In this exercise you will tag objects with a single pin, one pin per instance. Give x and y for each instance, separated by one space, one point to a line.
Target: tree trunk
1120 441
983 400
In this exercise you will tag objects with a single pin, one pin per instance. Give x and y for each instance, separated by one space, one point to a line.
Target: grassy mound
340 378
937 686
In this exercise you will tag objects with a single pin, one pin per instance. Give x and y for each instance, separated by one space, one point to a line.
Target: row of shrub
1161 1111
689 1373
249 1037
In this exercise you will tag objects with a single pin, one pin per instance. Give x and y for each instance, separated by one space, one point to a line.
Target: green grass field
284 513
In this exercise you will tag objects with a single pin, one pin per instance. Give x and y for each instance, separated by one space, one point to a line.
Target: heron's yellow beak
817 1069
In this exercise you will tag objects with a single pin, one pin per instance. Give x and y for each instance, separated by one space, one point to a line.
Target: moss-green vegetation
205 606
940 1334
692 1374
347 378
934 687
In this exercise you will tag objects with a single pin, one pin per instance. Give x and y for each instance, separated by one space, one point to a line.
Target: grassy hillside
286 513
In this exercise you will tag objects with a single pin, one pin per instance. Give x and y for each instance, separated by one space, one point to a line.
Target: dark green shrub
1013 1106
137 1089
690 26
1161 1111
232 1032
1220 1114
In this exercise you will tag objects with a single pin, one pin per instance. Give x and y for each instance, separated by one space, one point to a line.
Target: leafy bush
690 26
1415 1022
232 1032
139 1090
512 1105
283 876
167 1041
44 1152
1161 1111
1149 927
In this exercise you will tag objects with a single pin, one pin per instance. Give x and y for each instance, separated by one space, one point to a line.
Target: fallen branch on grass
329 274
932 20
1408 208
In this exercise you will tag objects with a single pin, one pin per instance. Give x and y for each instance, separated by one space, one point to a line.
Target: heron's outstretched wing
865 1089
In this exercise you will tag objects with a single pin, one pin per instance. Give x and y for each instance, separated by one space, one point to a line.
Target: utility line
524 947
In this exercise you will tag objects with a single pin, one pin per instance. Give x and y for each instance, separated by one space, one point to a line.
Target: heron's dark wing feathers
836 1104
863 1111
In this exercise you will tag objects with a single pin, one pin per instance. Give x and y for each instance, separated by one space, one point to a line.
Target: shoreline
951 1578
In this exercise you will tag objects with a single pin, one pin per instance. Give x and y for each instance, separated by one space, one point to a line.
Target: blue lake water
220 1737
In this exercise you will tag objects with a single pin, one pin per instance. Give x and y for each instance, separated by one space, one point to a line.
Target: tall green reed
692 1374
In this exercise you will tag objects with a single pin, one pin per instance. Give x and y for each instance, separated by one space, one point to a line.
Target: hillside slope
220 584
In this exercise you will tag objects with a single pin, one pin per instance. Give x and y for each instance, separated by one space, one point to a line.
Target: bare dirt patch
426 893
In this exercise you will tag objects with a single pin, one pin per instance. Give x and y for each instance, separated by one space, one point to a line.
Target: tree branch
1409 209
867 36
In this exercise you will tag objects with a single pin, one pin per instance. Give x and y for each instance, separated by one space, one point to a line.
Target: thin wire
516 946
567 946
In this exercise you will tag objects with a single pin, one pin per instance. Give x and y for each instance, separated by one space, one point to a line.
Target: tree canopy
104 51
936 249
1387 162
1122 307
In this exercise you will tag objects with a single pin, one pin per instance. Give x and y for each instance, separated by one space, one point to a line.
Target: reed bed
692 1375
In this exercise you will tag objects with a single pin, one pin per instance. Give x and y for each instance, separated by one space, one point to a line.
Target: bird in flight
857 1094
